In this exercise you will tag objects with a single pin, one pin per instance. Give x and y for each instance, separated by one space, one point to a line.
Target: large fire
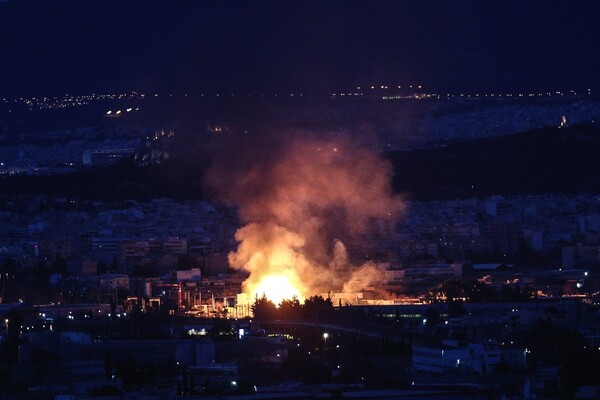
299 197
273 263
277 288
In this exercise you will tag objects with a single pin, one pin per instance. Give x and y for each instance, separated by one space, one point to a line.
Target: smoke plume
299 197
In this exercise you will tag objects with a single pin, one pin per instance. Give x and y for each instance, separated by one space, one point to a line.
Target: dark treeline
116 183
314 307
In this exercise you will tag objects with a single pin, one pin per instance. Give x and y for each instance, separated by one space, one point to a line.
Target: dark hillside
540 161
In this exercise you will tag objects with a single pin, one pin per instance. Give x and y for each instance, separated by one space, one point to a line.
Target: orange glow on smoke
276 288
300 196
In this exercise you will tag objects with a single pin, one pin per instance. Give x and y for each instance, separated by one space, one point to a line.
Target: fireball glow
273 260
276 288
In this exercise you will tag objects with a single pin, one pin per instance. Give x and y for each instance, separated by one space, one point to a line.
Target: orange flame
273 263
277 288
300 196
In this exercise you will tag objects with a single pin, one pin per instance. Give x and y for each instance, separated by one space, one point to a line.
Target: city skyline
316 199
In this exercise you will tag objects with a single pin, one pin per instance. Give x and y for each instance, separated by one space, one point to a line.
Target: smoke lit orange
299 197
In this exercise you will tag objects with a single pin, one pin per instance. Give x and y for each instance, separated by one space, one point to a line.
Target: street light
325 336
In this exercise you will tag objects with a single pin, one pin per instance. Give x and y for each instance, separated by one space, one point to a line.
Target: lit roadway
361 328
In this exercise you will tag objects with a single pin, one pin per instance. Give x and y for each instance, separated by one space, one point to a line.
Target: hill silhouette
550 160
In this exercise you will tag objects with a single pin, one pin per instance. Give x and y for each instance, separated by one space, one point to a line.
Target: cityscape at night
299 200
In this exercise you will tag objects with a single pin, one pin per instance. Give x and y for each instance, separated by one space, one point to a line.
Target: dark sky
55 46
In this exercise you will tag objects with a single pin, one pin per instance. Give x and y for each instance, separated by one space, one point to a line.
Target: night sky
58 46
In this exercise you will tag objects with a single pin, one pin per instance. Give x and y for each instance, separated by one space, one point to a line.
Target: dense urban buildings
116 271
276 200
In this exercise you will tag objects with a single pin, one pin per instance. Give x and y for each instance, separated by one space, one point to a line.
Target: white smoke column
297 195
